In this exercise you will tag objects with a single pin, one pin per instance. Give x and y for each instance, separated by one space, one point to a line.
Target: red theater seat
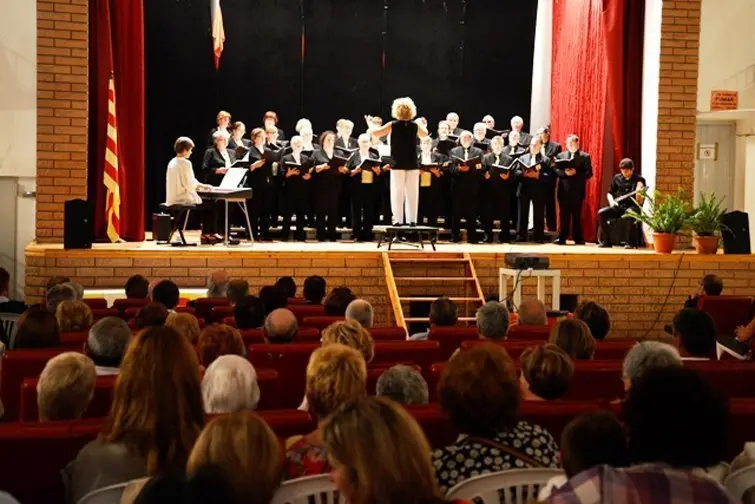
308 335
596 380
290 361
529 332
451 338
727 312
436 426
613 349
252 336
74 340
96 303
221 312
98 407
185 309
554 415
422 353
320 321
17 365
130 312
287 423
231 321
101 313
267 379
732 379
513 348
297 301
123 304
306 310
203 306
388 333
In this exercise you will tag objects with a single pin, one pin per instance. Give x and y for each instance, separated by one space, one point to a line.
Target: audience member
155 418
106 344
337 301
442 314
78 289
574 338
237 289
479 392
185 324
56 280
217 284
8 305
246 450
166 292
532 313
73 316
287 285
709 285
37 328
273 298
314 289
57 294
65 387
216 340
336 375
229 385
351 334
596 317
281 326
379 454
403 384
546 373
137 287
360 310
493 321
249 313
150 315
694 334
647 355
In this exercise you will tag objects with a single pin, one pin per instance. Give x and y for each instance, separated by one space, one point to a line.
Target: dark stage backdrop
327 59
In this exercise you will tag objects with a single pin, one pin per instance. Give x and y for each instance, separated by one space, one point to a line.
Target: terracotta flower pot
663 243
705 244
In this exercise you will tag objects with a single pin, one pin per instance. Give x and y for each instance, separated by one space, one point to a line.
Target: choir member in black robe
383 191
480 140
446 206
574 169
614 229
514 149
327 180
452 118
466 186
362 188
277 199
430 181
260 179
551 149
489 121
223 120
517 124
344 140
495 191
215 163
346 145
237 143
297 180
531 187
271 119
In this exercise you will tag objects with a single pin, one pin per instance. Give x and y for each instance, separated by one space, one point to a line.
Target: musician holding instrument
612 225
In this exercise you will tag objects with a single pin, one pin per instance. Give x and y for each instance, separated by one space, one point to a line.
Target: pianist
181 189
613 227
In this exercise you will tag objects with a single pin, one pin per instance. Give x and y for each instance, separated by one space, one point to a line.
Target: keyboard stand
242 204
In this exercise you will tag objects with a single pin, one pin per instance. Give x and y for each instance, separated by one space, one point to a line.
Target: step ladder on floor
418 276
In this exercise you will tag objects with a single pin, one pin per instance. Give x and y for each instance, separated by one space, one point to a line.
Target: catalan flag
218 32
112 174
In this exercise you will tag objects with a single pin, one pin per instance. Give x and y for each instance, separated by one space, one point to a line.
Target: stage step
433 299
437 279
429 259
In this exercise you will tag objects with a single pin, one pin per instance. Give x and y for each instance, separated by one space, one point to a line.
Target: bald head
360 311
532 312
281 326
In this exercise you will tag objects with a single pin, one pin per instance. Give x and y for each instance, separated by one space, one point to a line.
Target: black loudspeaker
736 233
162 224
78 228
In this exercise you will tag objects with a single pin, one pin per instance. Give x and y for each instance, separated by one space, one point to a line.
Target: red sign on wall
723 100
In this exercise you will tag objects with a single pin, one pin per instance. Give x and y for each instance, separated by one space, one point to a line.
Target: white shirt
180 183
427 158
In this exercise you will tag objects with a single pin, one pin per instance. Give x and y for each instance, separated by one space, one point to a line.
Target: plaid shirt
643 484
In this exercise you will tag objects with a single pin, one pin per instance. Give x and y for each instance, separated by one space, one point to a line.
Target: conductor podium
413 236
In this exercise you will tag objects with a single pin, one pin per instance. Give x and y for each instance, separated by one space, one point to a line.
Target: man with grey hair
532 313
517 124
360 311
106 344
648 355
281 326
404 385
78 289
493 321
230 385
57 294
217 284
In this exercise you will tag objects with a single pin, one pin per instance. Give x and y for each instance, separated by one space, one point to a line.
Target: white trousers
404 194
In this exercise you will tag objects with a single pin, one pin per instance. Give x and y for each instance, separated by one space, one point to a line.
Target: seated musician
223 119
429 182
612 223
271 119
181 188
237 143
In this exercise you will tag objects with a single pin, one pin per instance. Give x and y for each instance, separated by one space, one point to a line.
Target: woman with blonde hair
573 337
546 373
404 131
352 334
379 454
73 316
185 324
155 418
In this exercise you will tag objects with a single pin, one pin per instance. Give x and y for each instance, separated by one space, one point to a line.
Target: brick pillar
62 111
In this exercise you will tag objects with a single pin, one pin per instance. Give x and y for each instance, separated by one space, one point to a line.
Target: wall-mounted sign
707 152
724 100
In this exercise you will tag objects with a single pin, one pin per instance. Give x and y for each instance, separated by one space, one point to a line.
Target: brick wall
62 103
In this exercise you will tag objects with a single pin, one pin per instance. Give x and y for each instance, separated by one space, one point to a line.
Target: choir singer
573 169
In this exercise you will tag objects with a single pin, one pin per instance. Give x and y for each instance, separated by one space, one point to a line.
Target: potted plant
665 215
705 223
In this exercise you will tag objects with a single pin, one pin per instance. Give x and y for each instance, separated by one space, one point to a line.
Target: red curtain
117 27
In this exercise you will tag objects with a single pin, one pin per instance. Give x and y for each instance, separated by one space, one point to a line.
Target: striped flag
112 175
218 32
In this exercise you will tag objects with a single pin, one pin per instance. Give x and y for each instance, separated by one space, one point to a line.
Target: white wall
650 80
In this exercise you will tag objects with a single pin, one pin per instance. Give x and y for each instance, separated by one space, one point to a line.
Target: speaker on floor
78 227
736 233
162 224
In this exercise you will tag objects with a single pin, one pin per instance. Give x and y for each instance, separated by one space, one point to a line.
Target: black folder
491 133
369 163
445 146
482 145
471 162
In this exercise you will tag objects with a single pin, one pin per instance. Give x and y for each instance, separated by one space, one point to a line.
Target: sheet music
232 178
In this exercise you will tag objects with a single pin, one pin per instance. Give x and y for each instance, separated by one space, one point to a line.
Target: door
716 175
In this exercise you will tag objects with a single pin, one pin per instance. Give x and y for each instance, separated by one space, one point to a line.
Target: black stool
178 213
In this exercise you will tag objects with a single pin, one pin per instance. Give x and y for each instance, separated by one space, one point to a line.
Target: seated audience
186 325
57 294
229 385
281 326
596 317
8 305
273 298
314 289
237 290
137 287
217 284
403 384
154 421
150 315
37 328
73 316
166 293
360 310
574 338
647 355
709 285
442 314
351 334
479 392
337 301
207 485
56 280
745 333
694 334
336 375
379 454
216 340
546 373
65 387
288 285
249 313
493 321
106 344
78 289
532 313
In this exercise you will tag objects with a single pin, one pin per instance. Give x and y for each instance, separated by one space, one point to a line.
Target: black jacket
211 161
574 186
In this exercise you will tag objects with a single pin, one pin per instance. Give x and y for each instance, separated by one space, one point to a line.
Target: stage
641 290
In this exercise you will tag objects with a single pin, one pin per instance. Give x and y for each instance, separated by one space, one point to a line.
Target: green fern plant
663 213
706 219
